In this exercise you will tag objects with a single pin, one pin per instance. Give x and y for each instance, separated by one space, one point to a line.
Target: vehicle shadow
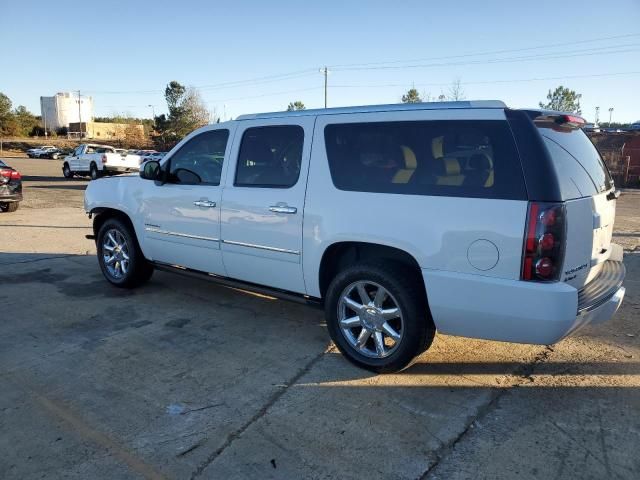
263 367
58 187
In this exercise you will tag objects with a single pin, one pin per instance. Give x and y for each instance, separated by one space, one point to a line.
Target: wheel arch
102 214
340 255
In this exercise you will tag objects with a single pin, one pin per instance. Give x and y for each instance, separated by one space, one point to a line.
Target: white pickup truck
96 160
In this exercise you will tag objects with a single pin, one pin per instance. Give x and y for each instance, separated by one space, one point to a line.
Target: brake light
10 174
544 242
104 159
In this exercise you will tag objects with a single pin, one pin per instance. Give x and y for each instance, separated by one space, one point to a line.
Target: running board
240 285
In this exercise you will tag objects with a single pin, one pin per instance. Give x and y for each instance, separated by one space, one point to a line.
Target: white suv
466 217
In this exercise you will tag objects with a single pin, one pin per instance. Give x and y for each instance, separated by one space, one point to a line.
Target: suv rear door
588 191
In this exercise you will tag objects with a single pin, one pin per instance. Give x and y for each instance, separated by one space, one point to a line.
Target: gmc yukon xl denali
466 217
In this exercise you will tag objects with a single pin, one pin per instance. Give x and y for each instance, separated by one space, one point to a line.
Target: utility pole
325 71
597 117
610 113
153 112
79 116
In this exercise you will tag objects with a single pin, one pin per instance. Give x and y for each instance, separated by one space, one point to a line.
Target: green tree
563 100
297 105
412 96
6 116
25 121
187 111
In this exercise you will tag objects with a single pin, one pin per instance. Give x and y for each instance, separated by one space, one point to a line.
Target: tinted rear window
445 158
576 159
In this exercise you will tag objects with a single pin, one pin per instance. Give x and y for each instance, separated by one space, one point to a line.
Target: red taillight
10 174
544 242
104 159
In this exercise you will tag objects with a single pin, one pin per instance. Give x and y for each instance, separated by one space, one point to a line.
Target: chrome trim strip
182 235
262 247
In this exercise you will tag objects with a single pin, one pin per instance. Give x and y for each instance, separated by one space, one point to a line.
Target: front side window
270 157
199 161
456 158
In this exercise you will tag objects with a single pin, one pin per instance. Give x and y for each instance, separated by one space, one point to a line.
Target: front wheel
121 260
377 316
66 171
94 173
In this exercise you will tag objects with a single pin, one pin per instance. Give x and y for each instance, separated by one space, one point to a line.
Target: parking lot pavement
185 379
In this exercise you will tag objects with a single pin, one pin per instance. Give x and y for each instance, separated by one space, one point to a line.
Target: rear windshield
447 158
580 168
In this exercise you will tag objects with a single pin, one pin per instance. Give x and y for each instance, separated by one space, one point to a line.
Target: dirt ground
185 379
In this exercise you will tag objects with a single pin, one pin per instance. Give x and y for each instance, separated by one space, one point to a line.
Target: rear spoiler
564 119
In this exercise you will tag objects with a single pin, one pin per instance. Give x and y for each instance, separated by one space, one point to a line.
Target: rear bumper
9 194
516 311
120 169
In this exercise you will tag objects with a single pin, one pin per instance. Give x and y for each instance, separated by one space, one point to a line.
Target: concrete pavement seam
525 372
39 259
260 413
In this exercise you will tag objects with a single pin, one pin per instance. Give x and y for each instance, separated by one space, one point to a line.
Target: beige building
108 131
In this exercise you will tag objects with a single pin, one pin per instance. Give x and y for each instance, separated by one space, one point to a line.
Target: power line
566 77
236 83
493 52
544 56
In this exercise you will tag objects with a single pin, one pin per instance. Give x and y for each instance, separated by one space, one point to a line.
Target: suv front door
182 215
263 202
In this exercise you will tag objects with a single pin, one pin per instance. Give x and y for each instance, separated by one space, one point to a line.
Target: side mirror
150 170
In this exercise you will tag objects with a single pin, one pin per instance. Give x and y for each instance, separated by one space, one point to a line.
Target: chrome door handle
282 209
204 203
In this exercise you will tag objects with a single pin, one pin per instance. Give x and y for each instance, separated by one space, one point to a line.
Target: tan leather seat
448 171
410 164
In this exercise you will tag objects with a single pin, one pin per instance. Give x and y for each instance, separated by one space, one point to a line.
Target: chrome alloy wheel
370 319
115 253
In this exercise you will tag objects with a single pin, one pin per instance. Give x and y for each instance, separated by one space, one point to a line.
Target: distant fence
624 171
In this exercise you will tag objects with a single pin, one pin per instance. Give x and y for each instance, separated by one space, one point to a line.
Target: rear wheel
9 207
94 173
377 316
121 260
66 171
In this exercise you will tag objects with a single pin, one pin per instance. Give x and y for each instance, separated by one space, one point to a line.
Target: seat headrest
410 160
447 166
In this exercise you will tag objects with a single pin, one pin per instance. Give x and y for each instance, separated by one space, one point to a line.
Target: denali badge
574 270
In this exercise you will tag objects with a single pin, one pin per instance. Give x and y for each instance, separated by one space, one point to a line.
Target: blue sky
240 53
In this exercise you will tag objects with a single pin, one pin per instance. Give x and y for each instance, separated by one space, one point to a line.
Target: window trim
263 185
166 167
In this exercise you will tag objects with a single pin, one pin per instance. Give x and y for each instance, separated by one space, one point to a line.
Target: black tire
407 291
66 171
94 173
9 207
139 270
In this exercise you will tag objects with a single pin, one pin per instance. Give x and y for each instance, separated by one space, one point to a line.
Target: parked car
35 152
466 217
10 188
54 153
154 156
96 160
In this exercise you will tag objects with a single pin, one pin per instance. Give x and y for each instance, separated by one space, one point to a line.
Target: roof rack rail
380 108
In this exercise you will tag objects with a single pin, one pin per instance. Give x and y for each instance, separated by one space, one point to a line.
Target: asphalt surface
185 379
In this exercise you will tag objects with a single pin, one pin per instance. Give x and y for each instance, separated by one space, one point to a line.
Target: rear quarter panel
437 231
